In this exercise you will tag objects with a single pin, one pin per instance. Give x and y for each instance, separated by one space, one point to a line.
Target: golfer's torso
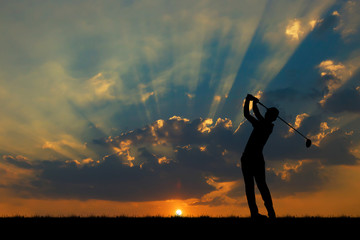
258 138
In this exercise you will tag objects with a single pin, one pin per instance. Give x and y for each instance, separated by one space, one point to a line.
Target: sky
136 107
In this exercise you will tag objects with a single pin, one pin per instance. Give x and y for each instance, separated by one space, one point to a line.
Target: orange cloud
163 160
124 150
294 30
325 130
204 126
219 195
298 120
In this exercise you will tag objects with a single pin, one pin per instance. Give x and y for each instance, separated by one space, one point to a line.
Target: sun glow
178 212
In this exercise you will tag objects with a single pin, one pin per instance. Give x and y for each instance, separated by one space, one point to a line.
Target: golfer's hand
252 98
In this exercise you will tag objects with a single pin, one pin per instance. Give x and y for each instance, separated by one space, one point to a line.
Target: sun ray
241 37
283 36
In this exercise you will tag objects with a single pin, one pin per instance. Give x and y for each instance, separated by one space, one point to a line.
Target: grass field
180 227
174 220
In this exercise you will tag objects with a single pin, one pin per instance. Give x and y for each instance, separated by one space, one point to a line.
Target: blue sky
151 92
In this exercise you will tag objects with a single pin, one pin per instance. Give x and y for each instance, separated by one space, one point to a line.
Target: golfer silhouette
252 160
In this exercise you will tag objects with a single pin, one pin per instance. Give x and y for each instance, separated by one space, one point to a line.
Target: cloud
324 131
204 126
349 25
298 120
327 24
297 177
219 196
166 159
294 30
66 146
181 159
336 74
18 161
101 86
16 171
344 100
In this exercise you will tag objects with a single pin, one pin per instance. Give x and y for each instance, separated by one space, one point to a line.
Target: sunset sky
135 107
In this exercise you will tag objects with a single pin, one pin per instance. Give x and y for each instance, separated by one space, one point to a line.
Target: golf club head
308 143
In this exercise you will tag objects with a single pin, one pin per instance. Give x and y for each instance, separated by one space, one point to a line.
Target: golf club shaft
285 122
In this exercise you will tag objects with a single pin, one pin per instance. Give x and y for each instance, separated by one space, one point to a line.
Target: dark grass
86 227
180 220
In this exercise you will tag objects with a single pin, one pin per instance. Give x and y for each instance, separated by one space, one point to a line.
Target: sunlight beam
283 35
242 33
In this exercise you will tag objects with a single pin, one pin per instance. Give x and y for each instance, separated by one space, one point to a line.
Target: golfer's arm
247 112
257 112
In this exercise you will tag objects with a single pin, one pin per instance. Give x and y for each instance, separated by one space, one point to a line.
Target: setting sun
178 212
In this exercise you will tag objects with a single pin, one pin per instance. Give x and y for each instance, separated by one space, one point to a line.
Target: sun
178 212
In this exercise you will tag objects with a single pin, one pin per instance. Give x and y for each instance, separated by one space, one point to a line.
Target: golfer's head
271 114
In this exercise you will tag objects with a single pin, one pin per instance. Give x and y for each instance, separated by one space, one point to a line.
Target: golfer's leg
265 193
250 192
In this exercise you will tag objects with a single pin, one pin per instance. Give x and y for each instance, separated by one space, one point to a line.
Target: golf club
308 141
